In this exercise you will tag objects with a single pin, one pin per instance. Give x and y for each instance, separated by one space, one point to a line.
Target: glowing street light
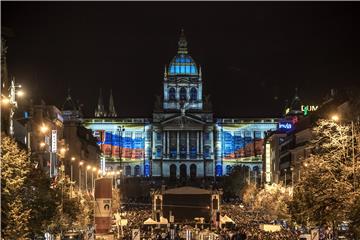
44 128
42 144
335 118
5 101
11 101
20 93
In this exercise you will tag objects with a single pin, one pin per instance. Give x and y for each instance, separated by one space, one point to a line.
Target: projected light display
239 142
124 142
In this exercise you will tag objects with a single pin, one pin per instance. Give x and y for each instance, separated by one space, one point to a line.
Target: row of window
182 69
183 94
128 170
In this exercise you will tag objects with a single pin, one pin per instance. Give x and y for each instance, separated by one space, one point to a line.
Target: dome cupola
182 63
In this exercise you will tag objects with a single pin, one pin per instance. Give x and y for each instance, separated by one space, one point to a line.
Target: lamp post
121 129
292 176
86 180
92 177
261 178
285 170
11 101
80 165
43 130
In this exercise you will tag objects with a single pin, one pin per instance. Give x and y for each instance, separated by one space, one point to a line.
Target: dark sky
253 54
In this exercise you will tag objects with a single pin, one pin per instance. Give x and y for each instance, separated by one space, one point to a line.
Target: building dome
182 63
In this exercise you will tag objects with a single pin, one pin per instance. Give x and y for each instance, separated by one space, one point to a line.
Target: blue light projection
182 64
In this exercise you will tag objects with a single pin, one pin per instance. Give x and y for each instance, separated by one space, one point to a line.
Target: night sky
253 54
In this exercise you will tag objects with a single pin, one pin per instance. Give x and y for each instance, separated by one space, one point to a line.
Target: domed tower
182 81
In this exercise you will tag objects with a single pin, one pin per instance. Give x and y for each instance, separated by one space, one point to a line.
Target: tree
325 194
235 183
272 201
15 168
74 210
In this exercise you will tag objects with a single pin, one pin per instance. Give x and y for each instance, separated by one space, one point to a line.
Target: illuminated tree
325 194
15 168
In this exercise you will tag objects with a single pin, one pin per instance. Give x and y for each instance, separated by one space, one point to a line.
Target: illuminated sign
308 108
267 163
53 141
286 125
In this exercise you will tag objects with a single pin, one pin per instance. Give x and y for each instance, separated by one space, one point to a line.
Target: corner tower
182 81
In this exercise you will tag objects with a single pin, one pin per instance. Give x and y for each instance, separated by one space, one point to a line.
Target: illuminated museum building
182 139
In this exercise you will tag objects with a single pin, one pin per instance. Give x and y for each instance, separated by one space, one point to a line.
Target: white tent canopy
150 221
226 219
163 220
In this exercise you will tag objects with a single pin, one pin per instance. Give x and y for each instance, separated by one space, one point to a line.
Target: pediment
183 121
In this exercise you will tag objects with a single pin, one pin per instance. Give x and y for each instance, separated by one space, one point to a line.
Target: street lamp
121 129
44 128
80 164
285 170
11 101
86 180
92 177
292 176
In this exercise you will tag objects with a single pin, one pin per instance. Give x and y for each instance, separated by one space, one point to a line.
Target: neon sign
308 108
286 125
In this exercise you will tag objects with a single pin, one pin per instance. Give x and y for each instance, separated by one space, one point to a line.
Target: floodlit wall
125 142
239 143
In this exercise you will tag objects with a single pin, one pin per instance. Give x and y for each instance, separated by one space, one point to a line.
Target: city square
187 120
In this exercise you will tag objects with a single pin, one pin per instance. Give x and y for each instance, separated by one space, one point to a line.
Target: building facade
183 139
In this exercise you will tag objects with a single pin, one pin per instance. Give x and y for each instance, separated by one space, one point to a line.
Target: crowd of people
246 225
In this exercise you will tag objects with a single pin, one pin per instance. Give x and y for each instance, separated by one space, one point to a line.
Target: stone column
178 145
187 145
154 144
164 145
168 143
211 136
201 142
197 144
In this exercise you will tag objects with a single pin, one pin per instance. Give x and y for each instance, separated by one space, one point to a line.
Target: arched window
172 96
137 170
128 170
193 94
182 93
